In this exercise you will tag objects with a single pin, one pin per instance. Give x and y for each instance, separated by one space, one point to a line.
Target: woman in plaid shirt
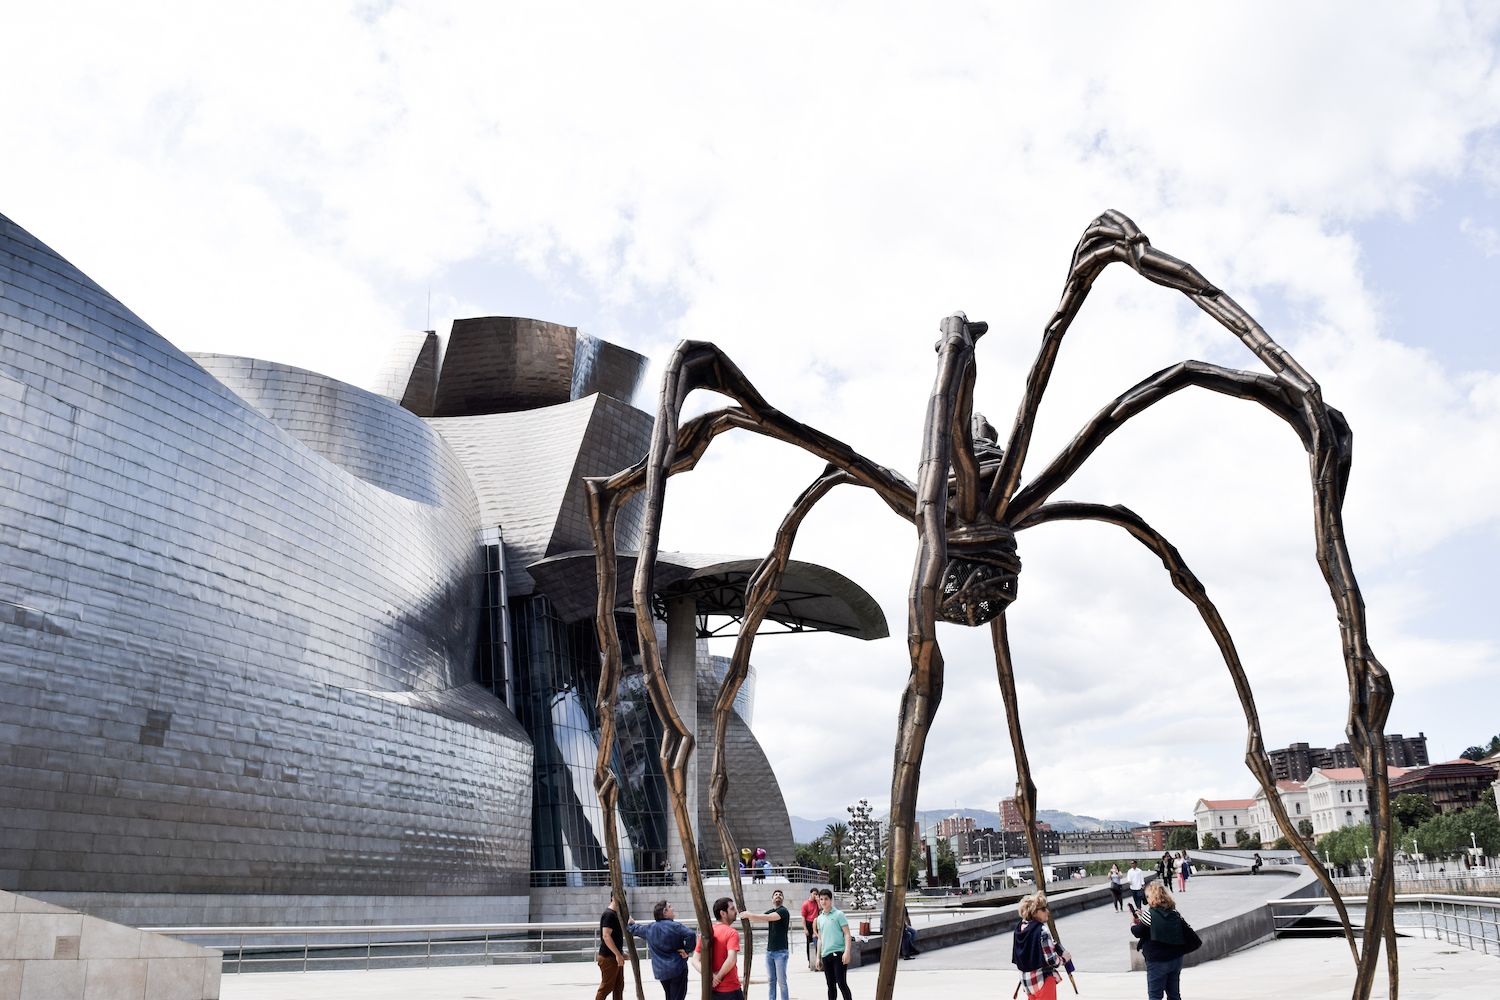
1034 952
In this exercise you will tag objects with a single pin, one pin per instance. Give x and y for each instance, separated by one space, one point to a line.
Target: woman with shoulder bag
1163 938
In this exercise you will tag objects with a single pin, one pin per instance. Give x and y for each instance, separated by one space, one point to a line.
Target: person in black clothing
1164 939
610 959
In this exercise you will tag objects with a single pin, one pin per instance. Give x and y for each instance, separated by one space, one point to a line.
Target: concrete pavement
1308 969
1099 938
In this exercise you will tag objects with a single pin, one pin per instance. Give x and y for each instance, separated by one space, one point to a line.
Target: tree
1482 750
1348 844
1304 827
913 869
1253 844
1184 838
1449 834
1411 810
1242 839
947 864
835 835
1210 842
1281 844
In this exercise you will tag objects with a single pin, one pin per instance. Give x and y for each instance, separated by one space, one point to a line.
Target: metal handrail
355 946
1468 921
593 877
255 948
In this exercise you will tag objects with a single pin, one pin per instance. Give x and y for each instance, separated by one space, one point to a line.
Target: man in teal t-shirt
835 944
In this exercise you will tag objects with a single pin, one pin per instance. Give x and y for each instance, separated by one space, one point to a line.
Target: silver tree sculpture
967 505
864 855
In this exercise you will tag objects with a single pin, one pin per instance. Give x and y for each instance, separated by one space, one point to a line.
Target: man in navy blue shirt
671 944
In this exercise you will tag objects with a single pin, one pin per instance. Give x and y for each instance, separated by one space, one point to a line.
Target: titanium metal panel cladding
232 648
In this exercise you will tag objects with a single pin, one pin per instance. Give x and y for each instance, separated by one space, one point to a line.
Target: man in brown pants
610 958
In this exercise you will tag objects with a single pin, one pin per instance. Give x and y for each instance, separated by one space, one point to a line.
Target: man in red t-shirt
726 976
810 911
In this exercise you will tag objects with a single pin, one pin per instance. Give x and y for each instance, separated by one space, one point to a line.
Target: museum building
278 649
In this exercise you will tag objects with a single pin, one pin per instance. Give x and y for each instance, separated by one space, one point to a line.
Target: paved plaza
1310 969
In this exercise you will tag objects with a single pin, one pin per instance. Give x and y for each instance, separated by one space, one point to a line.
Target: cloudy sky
813 187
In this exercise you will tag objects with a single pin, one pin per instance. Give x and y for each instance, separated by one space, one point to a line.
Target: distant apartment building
1338 797
1096 842
978 844
1154 835
1293 796
1048 839
1223 818
982 844
1452 786
1010 817
953 826
1297 761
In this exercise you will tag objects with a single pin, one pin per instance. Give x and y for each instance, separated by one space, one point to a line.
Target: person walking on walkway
671 943
724 952
1034 952
1183 872
1136 879
1117 887
810 911
611 960
1164 939
835 946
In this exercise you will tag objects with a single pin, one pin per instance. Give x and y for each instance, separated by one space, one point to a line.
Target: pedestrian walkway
1309 969
1100 940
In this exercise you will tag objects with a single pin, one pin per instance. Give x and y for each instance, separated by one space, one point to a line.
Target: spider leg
1025 788
1114 237
760 594
924 686
1263 389
1189 585
1325 435
676 447
603 506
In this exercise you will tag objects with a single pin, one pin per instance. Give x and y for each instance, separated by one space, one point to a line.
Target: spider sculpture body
967 505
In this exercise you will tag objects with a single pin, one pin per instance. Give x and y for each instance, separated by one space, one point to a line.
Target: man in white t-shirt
1136 879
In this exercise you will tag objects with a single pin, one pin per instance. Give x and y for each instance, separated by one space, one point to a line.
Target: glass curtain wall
556 667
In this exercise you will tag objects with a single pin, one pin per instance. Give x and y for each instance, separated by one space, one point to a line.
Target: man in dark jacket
671 944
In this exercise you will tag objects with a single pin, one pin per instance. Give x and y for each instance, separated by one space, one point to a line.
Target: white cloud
1483 238
813 188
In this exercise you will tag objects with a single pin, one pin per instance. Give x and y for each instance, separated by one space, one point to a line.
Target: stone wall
49 953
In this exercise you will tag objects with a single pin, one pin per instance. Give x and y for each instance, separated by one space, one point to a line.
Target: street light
842 880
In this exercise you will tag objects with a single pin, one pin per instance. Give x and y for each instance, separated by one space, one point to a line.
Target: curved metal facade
241 615
237 623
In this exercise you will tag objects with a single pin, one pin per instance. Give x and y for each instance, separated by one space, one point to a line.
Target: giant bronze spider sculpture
967 505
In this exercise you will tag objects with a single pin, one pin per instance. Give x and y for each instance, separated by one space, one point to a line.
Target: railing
580 878
304 949
1468 921
1459 882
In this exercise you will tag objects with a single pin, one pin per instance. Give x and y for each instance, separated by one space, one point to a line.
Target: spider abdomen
979 579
